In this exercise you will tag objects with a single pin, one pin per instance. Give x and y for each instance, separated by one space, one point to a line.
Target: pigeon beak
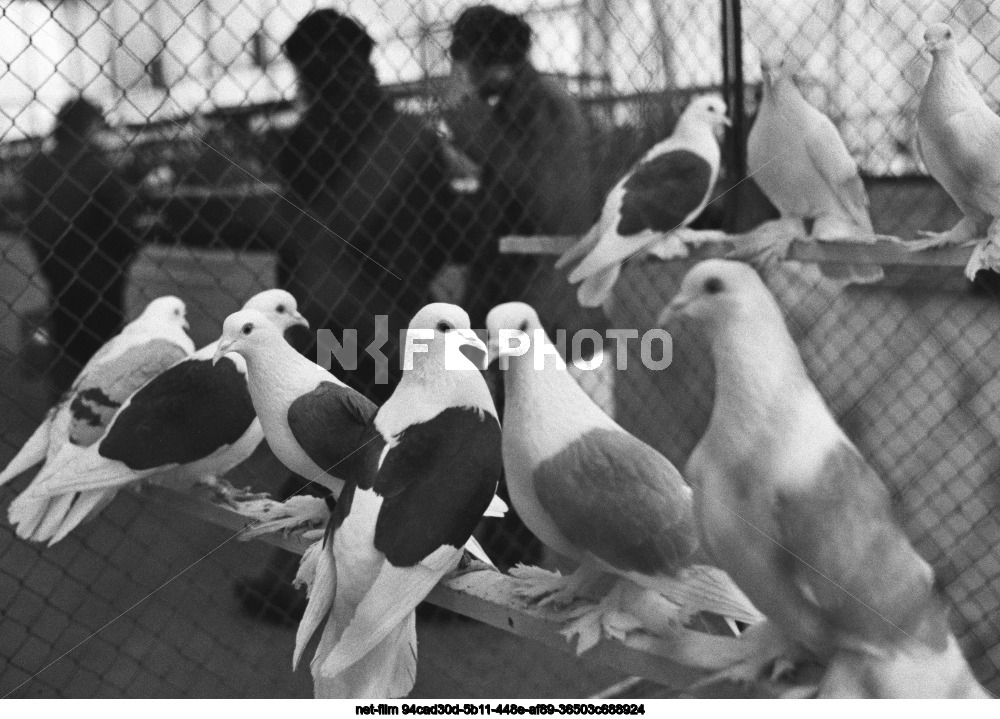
221 352
186 325
473 349
672 311
300 320
726 121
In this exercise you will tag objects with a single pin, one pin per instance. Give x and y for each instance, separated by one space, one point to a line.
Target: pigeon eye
713 285
523 327
281 309
444 327
248 328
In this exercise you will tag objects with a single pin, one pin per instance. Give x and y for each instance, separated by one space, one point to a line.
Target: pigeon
665 191
190 423
312 420
424 472
597 495
146 346
790 508
958 136
798 159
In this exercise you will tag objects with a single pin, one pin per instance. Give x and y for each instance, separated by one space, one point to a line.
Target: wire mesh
232 162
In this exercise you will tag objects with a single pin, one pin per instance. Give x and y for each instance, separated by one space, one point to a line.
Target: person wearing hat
80 212
374 183
531 140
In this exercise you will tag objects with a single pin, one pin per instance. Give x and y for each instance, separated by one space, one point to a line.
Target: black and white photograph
553 357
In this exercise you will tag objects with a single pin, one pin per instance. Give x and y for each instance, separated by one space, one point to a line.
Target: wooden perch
886 252
486 595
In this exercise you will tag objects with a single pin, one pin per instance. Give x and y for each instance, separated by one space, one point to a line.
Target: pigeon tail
388 671
33 451
580 249
595 290
701 588
51 518
319 573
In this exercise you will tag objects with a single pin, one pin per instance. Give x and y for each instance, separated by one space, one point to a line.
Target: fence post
733 90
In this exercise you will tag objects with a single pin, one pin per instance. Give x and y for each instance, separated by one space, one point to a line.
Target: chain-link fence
370 167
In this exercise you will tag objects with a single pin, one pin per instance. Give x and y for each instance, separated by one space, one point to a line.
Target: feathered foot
296 513
543 588
626 608
965 232
769 242
223 492
670 247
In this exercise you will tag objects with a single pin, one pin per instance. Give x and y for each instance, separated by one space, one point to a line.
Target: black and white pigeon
599 496
958 136
149 344
800 162
664 191
426 474
791 509
191 423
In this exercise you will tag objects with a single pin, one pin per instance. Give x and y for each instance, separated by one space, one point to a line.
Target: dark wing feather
182 415
618 498
661 192
436 483
330 424
848 552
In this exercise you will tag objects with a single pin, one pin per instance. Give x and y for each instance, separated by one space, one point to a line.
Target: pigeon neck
948 83
761 360
276 369
692 128
550 395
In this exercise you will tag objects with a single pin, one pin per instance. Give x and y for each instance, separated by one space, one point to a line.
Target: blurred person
376 183
377 225
531 140
80 213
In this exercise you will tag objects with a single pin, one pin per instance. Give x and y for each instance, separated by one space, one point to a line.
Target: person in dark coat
375 186
375 224
80 212
531 140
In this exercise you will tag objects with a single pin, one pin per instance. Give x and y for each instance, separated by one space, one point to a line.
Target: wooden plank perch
886 252
486 595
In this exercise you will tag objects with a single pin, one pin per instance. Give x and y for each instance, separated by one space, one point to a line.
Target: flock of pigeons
778 528
798 159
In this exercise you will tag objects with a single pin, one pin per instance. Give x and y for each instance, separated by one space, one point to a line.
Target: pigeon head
510 318
715 292
246 331
279 307
772 66
451 329
708 110
167 310
938 37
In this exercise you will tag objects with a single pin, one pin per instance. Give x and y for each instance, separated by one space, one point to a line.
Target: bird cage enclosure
157 596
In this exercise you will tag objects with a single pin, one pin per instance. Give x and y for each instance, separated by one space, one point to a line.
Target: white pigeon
597 495
146 346
958 136
789 507
419 480
665 191
798 159
191 422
